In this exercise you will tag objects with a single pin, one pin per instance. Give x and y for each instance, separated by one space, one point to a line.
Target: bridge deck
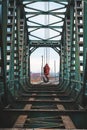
44 107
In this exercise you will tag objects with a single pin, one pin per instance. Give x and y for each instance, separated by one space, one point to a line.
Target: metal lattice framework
22 22
36 23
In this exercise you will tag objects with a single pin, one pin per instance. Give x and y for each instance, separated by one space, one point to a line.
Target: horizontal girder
46 0
44 43
46 13
45 26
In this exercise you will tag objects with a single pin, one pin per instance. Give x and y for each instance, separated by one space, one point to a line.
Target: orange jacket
46 69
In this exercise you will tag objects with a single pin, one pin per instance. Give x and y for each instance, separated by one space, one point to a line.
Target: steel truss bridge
26 25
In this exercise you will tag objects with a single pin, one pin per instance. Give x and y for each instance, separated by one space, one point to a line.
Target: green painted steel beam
56 49
45 13
65 53
77 50
85 51
32 50
44 43
84 92
18 38
45 0
45 26
1 55
61 62
12 46
85 34
71 36
4 45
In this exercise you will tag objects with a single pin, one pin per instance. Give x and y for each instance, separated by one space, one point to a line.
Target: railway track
45 107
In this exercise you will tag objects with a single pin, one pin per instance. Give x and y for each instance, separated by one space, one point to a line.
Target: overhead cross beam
45 26
45 13
46 43
46 0
35 26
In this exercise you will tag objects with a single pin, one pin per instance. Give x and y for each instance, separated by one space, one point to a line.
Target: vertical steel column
4 45
68 48
25 49
26 52
16 56
72 53
85 50
21 47
12 42
29 73
64 53
61 64
1 52
63 56
1 41
85 33
84 90
68 44
78 41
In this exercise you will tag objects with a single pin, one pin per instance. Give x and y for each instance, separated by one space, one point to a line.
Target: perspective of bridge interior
50 35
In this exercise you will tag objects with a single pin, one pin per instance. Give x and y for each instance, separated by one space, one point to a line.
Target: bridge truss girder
34 44
32 12
15 42
73 47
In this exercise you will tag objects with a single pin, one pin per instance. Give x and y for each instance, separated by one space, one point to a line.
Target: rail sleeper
66 119
22 118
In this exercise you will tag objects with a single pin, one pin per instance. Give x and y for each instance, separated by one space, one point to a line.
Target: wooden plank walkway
22 118
66 119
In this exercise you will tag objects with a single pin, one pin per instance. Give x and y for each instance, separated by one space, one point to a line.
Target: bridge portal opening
38 60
